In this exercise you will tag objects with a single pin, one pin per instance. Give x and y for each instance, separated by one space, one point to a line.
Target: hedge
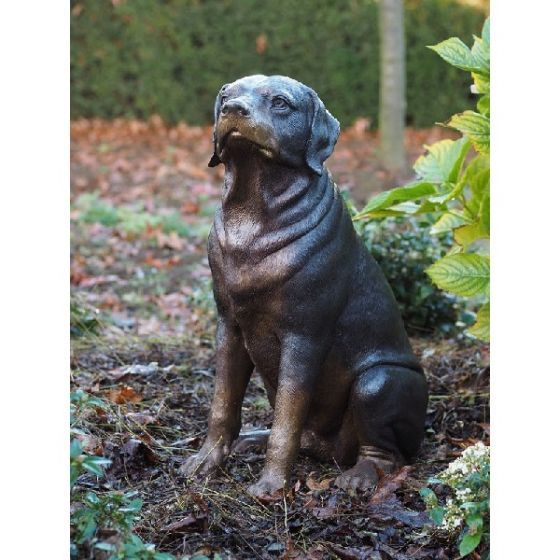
169 57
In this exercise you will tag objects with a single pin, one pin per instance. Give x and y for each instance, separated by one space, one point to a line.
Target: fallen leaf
324 512
169 241
134 454
90 444
389 484
363 553
392 510
189 524
315 485
124 394
190 207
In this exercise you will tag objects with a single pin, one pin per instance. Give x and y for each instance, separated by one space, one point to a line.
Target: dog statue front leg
300 365
233 370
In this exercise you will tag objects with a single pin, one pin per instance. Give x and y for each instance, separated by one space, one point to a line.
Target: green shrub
466 512
404 249
135 59
456 189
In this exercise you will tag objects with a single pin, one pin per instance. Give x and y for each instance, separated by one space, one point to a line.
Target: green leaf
468 234
469 543
95 464
480 195
483 105
481 56
437 514
485 214
481 84
429 496
447 222
464 274
476 127
481 329
105 546
443 161
385 200
75 448
486 31
89 529
456 53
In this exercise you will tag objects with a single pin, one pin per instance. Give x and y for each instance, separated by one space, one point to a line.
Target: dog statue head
276 116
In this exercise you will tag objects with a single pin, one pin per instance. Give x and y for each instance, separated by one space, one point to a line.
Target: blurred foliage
455 188
84 319
404 249
135 59
134 220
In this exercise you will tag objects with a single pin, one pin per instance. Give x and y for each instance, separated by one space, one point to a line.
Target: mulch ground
152 292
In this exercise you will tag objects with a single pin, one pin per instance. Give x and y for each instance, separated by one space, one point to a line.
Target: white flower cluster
475 459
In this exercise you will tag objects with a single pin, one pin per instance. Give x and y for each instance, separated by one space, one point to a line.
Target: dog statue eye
223 99
279 103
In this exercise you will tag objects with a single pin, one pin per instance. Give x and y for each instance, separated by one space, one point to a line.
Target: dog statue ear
215 159
323 136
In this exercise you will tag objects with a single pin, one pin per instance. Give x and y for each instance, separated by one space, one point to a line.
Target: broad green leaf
464 274
468 234
486 31
479 184
469 543
437 514
443 161
428 495
386 199
89 530
483 105
454 250
485 214
474 519
456 53
75 448
95 464
447 222
481 84
476 127
481 56
481 329
476 165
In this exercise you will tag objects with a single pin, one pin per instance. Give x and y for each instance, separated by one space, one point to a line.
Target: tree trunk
392 96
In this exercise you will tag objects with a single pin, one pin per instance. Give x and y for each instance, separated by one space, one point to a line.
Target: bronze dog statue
300 300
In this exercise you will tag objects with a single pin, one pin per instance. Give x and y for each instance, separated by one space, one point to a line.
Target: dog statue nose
235 106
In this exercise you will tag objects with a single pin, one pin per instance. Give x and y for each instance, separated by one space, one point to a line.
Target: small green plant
466 512
84 320
455 188
81 462
404 249
102 522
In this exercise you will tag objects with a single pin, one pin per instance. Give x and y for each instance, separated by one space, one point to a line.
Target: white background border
34 272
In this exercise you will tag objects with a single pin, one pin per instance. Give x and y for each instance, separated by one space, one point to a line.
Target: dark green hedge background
169 57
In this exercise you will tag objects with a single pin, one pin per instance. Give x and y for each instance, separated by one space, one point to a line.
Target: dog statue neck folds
267 205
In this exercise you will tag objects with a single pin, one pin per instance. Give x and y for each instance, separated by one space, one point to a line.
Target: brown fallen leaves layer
147 438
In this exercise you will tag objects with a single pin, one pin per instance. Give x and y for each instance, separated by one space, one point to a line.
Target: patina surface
300 300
